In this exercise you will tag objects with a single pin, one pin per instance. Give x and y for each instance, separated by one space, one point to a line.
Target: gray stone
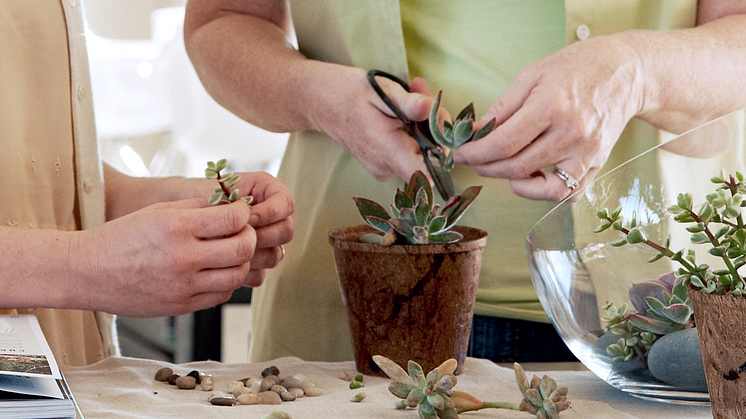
676 359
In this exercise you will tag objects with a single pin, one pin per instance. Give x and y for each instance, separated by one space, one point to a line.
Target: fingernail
458 158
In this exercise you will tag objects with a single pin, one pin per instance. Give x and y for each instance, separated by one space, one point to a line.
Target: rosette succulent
223 193
415 217
434 397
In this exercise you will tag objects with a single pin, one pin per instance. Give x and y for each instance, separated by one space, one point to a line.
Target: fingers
554 186
217 220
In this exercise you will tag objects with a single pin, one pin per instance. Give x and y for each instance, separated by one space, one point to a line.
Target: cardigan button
87 186
582 32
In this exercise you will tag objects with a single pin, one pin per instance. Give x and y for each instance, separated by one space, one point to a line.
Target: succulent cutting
434 397
223 193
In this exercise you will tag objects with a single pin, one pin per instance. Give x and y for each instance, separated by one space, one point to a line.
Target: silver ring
570 181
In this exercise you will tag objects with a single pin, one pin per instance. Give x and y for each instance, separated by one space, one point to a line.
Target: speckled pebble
234 385
287 396
241 390
278 389
163 374
207 384
221 400
172 378
313 391
266 385
298 392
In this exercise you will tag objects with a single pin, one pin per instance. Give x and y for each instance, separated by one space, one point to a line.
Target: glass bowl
576 271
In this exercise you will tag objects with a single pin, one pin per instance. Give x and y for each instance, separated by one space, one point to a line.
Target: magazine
31 384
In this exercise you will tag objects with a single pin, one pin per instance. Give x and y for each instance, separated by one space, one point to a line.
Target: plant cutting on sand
434 397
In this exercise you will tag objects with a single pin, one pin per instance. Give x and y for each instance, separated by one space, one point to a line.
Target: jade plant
415 217
434 397
719 223
223 193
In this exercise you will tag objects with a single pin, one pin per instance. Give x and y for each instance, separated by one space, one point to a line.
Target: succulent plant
456 133
718 222
223 193
416 218
434 397
661 306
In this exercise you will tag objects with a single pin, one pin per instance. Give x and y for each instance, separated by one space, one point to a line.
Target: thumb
218 220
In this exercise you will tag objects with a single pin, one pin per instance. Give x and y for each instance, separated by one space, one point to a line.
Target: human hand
271 209
354 116
166 259
566 110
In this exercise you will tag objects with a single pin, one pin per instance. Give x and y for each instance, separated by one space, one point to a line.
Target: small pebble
234 385
256 387
278 389
298 392
291 382
301 377
240 390
222 400
163 374
287 396
270 397
197 375
186 383
172 378
270 371
266 385
208 384
248 399
313 391
275 379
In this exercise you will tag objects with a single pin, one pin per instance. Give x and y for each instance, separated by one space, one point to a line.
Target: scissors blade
435 159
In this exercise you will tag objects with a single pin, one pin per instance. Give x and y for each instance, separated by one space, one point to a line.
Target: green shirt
471 50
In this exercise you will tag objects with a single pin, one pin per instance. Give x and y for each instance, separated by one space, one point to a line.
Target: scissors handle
432 153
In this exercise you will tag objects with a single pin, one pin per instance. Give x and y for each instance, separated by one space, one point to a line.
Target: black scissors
432 152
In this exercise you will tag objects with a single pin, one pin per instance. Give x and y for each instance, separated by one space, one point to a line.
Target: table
121 387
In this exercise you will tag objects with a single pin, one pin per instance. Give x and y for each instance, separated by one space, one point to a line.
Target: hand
270 217
166 259
566 110
354 116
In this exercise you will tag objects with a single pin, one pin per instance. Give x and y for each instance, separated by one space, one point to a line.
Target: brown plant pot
722 340
408 302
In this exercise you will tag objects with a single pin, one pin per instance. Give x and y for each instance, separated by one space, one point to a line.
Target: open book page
27 365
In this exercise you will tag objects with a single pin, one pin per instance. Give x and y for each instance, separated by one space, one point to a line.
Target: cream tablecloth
125 388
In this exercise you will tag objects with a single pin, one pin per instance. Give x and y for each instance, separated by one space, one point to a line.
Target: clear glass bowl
576 271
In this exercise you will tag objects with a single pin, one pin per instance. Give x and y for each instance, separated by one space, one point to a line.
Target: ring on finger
282 252
570 181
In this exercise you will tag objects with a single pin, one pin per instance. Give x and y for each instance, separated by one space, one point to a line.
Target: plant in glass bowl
409 277
617 312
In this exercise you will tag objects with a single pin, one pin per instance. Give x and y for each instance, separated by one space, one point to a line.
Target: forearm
126 194
691 76
246 62
40 269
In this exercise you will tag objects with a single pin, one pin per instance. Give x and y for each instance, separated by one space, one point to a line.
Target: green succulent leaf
416 182
454 213
378 223
433 122
402 200
485 130
367 207
447 237
462 132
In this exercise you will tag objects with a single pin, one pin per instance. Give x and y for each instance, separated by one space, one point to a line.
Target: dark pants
507 340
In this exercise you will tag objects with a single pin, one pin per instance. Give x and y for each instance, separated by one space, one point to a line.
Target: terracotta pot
408 302
722 339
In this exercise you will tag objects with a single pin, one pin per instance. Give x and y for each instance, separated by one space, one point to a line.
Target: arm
241 51
165 259
569 109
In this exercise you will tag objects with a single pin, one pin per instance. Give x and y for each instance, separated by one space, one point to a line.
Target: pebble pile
270 388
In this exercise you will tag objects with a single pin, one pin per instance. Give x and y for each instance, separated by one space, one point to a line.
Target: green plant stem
491 405
733 188
666 252
716 243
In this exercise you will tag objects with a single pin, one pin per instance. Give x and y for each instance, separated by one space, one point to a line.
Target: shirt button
81 93
87 186
582 32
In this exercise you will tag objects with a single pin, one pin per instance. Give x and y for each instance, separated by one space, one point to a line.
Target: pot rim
348 238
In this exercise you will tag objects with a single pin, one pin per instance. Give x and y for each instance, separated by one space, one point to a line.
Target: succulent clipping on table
456 133
416 218
434 397
223 193
718 222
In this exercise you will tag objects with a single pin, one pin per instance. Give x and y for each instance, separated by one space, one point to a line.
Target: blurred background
154 118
